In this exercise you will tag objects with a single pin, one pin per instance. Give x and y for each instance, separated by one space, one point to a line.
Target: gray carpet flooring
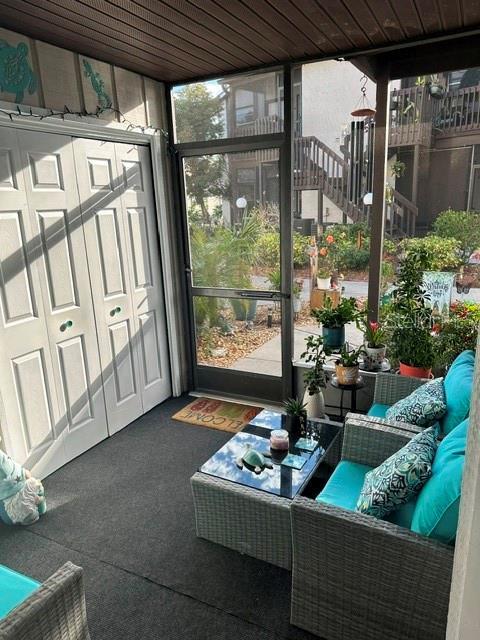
123 511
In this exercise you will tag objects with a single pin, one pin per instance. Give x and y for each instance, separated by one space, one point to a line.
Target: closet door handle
66 325
115 311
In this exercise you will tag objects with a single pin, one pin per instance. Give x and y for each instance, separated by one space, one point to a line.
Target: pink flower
330 239
323 251
374 326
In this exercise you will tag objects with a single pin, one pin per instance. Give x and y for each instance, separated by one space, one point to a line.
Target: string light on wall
130 126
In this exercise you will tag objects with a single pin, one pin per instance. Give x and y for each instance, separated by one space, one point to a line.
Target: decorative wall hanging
98 85
16 76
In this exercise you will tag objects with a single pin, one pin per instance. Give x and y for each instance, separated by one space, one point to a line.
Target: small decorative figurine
253 460
22 498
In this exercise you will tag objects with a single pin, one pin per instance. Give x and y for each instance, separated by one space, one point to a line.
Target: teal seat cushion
399 478
422 407
14 589
436 511
378 410
458 390
344 486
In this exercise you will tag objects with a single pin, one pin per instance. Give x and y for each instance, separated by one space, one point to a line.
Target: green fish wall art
98 85
16 76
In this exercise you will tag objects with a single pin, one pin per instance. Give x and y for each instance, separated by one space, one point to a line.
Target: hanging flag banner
438 287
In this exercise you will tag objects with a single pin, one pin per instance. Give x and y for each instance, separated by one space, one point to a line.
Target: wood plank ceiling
176 40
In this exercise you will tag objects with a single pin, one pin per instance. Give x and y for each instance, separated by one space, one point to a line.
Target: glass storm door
234 231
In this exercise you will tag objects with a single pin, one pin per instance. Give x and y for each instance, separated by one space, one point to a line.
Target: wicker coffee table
250 513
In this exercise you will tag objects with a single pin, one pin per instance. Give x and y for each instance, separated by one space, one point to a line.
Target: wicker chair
55 611
359 578
389 389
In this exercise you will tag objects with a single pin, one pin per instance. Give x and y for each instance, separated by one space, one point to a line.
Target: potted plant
296 416
374 345
347 366
436 87
297 291
325 263
333 320
315 378
409 320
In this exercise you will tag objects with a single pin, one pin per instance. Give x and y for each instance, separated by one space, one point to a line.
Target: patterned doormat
217 414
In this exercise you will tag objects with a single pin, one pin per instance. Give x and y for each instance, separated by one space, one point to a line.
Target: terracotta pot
323 283
346 375
374 357
414 372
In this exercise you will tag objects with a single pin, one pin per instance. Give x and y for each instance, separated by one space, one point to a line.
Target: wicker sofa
356 577
55 611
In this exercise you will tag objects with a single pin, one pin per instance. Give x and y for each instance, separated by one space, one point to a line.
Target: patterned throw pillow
423 407
400 477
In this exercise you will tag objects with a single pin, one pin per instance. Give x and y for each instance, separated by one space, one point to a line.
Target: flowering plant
374 334
326 263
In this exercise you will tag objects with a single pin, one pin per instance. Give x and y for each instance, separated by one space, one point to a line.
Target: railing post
378 204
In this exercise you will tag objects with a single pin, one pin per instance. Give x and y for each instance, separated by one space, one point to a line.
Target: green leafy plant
335 317
457 333
398 169
267 250
294 407
407 319
315 353
436 253
349 357
463 226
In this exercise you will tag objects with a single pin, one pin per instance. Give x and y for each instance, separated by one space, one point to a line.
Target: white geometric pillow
423 407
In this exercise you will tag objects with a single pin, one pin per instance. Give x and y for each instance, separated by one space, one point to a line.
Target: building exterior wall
330 91
57 78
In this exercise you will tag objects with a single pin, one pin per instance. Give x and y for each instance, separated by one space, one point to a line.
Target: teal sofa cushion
403 516
14 589
422 407
344 486
378 410
399 478
458 390
436 511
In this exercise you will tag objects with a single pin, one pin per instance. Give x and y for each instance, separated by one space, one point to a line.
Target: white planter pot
374 357
297 305
323 283
315 405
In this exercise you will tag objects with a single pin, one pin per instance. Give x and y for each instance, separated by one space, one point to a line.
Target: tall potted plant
333 320
409 321
315 378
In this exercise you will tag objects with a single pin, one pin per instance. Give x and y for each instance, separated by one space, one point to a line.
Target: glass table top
282 480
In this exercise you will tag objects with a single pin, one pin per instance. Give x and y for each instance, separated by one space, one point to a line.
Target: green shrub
457 333
463 226
268 250
435 253
352 258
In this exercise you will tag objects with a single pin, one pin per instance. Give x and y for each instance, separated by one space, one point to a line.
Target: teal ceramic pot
333 337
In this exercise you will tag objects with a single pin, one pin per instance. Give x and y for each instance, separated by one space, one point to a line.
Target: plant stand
318 297
353 388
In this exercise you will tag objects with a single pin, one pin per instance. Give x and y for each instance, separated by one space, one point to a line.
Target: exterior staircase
318 167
